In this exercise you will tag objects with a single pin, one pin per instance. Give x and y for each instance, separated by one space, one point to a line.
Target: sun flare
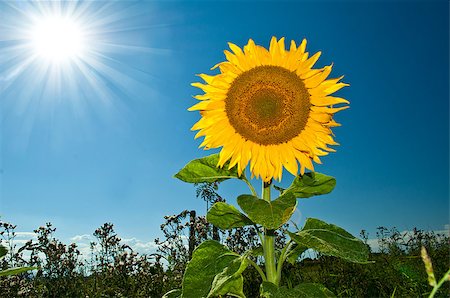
63 61
57 38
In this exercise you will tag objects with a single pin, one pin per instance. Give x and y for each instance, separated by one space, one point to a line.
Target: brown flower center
268 105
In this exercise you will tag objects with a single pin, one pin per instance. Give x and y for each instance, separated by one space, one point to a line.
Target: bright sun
58 39
62 54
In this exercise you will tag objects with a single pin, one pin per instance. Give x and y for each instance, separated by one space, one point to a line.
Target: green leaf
270 290
311 184
205 170
270 215
208 259
305 290
15 271
225 216
257 251
173 294
295 253
3 251
230 280
331 240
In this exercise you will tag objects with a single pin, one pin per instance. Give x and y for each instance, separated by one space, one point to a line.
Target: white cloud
445 231
26 235
81 238
374 243
140 246
21 238
83 243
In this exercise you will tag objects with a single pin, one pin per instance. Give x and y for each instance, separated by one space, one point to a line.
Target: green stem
269 243
261 273
283 256
436 287
252 189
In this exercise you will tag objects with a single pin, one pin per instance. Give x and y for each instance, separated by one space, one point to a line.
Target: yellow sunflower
269 108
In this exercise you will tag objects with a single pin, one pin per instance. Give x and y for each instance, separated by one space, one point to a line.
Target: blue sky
104 145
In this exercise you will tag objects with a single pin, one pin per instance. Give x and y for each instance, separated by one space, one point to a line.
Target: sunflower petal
236 50
310 62
315 80
328 110
327 101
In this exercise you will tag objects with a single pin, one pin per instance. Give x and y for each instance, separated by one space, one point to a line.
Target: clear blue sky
104 147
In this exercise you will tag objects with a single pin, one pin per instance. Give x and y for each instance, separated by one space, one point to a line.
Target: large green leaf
270 215
230 280
331 240
208 259
17 270
311 184
225 216
303 290
205 170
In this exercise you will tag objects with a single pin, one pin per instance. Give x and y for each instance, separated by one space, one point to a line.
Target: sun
64 62
57 39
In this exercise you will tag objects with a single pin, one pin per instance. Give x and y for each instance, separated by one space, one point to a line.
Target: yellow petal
304 160
310 73
289 161
207 88
315 80
336 87
207 78
317 159
332 123
310 62
328 110
327 101
273 48
293 47
236 50
199 106
320 117
275 52
224 156
302 46
245 157
281 46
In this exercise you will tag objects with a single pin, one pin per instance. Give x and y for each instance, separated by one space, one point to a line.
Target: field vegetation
113 269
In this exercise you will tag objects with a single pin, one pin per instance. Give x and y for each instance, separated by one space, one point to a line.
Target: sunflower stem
269 243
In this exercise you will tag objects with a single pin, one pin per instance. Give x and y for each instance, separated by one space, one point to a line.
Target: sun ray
33 73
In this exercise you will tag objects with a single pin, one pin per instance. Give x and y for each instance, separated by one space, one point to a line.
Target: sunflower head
269 108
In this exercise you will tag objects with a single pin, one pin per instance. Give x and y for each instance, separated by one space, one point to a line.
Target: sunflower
269 108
